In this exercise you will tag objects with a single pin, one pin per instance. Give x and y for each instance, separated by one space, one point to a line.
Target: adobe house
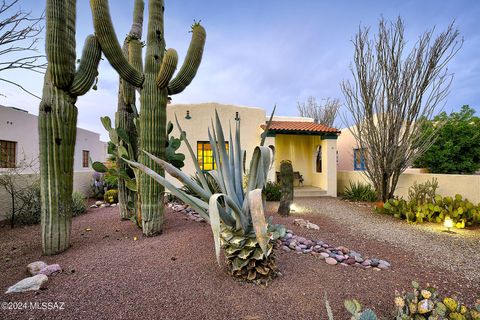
311 147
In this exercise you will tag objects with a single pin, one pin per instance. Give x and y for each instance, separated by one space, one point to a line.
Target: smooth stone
320 242
298 249
307 250
366 262
289 231
384 263
317 247
350 261
98 203
374 263
288 235
113 205
35 267
382 266
344 264
325 245
376 269
331 261
103 205
339 258
324 254
359 259
292 245
367 267
93 206
107 204
308 243
28 284
315 254
344 250
302 246
51 269
287 249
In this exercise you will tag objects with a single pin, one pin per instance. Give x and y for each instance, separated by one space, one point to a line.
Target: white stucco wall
22 127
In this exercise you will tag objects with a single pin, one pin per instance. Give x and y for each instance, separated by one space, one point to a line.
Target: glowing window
206 160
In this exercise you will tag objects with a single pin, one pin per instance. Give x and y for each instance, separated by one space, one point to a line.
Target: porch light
188 115
448 223
293 207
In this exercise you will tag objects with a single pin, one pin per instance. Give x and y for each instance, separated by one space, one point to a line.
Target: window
8 152
85 157
358 159
205 157
318 160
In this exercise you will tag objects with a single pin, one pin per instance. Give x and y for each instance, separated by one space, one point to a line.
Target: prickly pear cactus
57 121
286 183
156 85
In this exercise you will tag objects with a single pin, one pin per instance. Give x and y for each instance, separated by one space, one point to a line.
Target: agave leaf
224 160
238 163
245 253
231 250
351 306
231 160
258 254
174 190
239 264
258 218
259 166
237 241
200 173
219 179
251 243
329 309
269 123
180 176
215 223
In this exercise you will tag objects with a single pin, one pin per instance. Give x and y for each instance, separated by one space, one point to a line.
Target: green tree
457 145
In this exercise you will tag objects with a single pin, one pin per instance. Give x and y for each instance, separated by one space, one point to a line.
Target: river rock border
292 243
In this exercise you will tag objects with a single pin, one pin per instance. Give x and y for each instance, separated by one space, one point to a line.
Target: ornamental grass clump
236 214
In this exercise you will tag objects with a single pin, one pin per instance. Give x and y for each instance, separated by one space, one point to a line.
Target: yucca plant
236 214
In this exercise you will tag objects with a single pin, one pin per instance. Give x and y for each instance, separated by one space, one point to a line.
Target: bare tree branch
324 113
391 97
19 33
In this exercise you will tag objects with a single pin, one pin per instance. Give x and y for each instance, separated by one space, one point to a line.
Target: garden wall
448 184
81 182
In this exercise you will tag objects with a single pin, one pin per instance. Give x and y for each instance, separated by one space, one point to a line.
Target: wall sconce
237 117
188 115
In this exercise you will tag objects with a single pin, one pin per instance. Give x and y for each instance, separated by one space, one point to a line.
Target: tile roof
298 126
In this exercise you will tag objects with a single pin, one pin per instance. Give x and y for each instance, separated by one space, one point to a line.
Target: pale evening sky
261 53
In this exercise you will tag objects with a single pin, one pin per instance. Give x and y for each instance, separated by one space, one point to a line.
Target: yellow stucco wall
302 151
449 184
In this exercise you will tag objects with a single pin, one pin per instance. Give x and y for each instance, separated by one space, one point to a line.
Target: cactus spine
156 84
286 182
57 121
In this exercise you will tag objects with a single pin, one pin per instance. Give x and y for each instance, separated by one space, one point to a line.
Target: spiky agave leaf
258 218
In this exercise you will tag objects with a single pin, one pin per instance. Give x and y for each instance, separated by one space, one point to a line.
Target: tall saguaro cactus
127 111
57 121
156 84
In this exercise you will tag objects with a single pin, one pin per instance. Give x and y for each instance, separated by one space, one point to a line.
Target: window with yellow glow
206 161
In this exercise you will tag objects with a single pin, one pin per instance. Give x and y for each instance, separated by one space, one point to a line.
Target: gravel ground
457 252
108 275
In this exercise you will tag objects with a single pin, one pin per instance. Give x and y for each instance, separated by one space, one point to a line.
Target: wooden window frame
8 154
200 156
85 160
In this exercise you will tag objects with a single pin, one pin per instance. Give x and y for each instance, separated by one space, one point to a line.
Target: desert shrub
79 203
111 196
357 191
273 191
30 206
460 210
423 192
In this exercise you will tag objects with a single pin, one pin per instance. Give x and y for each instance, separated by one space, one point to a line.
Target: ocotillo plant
286 183
57 121
156 85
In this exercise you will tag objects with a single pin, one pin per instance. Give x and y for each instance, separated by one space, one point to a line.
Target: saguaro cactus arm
102 23
60 54
87 71
169 64
192 61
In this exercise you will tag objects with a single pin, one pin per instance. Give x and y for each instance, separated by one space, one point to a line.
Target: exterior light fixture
293 207
448 223
188 115
237 117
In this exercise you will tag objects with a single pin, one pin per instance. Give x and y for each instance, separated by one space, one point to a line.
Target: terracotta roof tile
309 127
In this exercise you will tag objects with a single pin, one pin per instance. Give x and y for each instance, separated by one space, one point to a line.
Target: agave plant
236 214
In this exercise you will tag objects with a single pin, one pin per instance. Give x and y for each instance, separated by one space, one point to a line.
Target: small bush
79 203
423 192
98 185
273 191
357 191
31 210
111 196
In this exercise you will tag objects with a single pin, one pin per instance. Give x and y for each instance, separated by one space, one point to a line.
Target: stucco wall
345 144
201 115
22 127
449 184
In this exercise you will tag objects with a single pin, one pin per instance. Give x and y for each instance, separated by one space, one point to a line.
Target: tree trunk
57 129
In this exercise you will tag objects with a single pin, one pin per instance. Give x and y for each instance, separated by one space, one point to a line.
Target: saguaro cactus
286 182
156 84
57 121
